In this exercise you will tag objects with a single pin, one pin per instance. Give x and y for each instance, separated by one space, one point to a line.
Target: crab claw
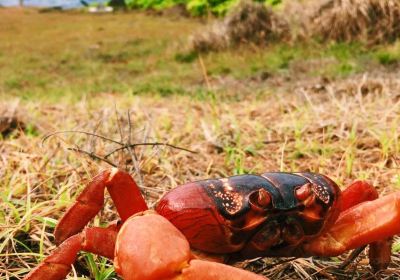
149 247
360 225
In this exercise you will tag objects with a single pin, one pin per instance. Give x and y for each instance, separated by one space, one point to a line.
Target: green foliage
396 247
202 7
195 7
387 58
187 57
153 4
100 270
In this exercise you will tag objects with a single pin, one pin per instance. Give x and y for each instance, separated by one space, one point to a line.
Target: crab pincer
149 247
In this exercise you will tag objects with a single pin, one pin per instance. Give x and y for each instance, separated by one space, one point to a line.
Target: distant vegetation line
194 7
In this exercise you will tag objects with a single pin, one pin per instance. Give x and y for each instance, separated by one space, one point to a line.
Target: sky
48 3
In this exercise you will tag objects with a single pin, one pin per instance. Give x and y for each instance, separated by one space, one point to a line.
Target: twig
93 138
123 145
133 153
267 142
119 123
352 257
269 266
150 144
92 155
83 132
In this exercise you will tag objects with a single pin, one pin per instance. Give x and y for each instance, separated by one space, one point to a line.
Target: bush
249 22
371 21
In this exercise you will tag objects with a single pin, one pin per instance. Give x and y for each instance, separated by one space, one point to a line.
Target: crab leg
123 190
149 247
379 251
360 225
100 241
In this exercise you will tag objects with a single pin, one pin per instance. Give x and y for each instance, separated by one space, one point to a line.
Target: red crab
274 214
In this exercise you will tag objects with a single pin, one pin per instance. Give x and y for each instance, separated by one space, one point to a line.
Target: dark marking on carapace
323 187
231 195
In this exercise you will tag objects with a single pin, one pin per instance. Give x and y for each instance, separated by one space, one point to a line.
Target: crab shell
268 215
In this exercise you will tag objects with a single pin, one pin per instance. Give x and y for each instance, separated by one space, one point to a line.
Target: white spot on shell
230 200
321 192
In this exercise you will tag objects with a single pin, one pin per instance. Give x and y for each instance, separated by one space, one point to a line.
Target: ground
330 108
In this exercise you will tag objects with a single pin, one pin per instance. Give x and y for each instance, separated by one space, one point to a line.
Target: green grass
389 56
70 55
263 109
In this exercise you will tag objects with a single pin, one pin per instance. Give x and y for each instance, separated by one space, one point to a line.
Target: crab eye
260 198
303 192
264 198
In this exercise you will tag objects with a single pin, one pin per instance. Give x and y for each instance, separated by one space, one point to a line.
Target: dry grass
248 23
371 21
347 130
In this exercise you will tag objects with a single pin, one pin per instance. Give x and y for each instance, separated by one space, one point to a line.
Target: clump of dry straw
370 21
247 23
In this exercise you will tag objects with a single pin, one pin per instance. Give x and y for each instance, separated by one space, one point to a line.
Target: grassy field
330 108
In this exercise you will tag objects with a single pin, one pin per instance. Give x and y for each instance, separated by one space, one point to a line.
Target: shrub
248 22
371 21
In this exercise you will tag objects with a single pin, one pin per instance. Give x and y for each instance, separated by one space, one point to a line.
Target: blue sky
47 3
